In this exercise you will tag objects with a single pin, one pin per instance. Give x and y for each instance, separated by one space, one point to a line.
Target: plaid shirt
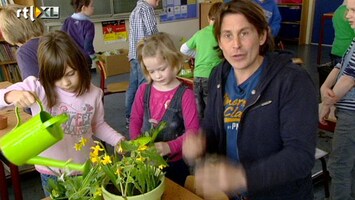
142 23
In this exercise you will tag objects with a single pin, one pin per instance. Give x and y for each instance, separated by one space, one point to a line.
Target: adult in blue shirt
261 116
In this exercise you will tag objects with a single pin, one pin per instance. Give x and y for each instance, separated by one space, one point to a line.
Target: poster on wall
174 10
114 31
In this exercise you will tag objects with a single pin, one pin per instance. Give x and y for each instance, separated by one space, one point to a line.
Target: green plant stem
110 175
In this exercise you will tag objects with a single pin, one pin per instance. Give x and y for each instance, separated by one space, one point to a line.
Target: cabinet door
204 8
290 13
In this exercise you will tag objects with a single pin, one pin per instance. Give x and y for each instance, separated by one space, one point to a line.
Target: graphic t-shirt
235 100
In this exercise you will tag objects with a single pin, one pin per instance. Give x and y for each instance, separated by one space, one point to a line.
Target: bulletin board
174 10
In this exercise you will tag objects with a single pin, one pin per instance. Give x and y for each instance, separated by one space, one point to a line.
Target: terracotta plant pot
3 122
152 195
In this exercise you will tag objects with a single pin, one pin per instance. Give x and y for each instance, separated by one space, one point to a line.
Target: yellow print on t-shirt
233 109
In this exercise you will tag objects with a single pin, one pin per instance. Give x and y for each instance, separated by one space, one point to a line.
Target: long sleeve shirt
86 118
142 23
26 57
82 30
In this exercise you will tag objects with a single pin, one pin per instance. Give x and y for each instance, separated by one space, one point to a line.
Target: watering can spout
58 163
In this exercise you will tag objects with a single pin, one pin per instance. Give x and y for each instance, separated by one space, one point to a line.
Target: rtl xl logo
44 12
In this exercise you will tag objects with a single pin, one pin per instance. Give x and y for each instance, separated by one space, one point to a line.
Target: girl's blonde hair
18 30
57 51
159 45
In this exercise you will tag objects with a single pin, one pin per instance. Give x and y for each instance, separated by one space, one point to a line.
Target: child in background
25 34
64 86
142 23
273 15
343 34
203 44
81 29
164 98
338 89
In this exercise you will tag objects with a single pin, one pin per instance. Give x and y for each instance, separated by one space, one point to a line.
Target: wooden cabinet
204 8
294 21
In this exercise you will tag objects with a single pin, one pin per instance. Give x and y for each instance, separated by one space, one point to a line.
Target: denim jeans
44 180
341 161
136 78
201 92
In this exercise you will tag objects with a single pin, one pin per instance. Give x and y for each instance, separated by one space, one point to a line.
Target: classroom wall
178 31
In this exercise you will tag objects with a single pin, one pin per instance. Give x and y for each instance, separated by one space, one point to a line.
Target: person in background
203 47
164 99
260 122
272 13
64 86
142 23
343 34
81 29
338 89
25 34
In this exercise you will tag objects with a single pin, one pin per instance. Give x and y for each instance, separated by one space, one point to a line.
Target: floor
114 111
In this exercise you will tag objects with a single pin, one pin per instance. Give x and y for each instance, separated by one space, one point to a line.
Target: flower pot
152 195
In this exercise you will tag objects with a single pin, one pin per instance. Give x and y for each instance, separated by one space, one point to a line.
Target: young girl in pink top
64 86
164 98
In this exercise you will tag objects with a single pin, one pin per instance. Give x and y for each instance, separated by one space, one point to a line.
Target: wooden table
15 177
188 81
173 191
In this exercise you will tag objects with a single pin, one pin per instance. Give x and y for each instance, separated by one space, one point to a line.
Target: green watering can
27 140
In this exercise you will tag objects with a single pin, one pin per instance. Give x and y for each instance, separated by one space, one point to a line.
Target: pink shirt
86 118
159 100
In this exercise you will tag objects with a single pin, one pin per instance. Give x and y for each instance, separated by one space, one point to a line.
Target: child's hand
327 93
117 147
324 112
163 148
19 98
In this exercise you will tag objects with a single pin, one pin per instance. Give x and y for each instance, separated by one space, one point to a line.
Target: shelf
8 62
289 4
295 22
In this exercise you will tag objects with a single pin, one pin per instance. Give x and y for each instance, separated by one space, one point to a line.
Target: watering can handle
18 114
57 119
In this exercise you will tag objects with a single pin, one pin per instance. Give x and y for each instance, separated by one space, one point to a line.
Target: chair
324 173
320 154
110 88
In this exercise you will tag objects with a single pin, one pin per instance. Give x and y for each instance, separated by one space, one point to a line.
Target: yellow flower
78 146
106 160
98 192
162 166
142 148
94 157
120 150
97 149
140 158
119 171
82 142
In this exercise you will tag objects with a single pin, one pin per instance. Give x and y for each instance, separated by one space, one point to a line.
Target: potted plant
133 171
